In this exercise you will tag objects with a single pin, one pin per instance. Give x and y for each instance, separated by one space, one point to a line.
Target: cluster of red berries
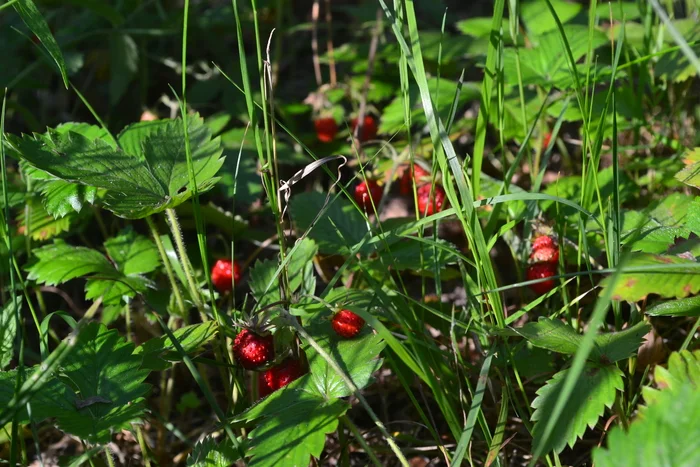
327 129
545 260
253 350
431 198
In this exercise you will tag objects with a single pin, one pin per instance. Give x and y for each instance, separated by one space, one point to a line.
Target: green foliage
610 347
538 19
690 175
147 175
159 353
98 391
683 369
666 435
8 329
683 307
595 390
209 453
679 282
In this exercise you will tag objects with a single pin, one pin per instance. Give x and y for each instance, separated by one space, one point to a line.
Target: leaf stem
168 267
184 260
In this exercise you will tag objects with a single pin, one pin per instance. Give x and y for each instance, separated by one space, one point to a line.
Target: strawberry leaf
666 434
292 425
147 175
594 391
339 228
615 346
158 353
678 282
683 368
209 453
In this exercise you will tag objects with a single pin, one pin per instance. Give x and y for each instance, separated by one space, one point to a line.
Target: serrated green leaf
8 328
104 369
265 286
554 335
158 353
615 346
32 17
50 400
292 425
677 282
209 453
683 307
594 391
683 369
132 253
61 197
690 175
358 357
138 184
337 230
666 435
42 225
60 262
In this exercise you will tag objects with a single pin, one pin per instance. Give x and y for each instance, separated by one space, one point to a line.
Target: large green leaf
678 282
104 373
8 328
538 19
292 425
609 347
666 435
151 178
158 353
594 391
683 307
59 262
337 230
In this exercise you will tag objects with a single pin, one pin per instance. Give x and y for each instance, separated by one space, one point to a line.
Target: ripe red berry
546 140
347 324
326 129
263 389
367 192
281 375
368 130
406 182
252 350
544 250
428 204
223 272
541 271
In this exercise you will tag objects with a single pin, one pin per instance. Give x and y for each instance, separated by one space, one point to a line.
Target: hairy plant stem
185 261
168 267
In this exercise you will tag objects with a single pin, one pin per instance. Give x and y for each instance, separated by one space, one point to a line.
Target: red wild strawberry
253 350
406 182
546 140
428 204
544 249
326 129
347 324
367 192
368 130
541 271
281 375
263 389
223 272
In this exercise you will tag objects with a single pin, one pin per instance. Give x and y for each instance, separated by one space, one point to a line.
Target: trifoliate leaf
679 282
8 328
594 391
209 453
339 228
552 334
107 381
666 435
150 179
159 352
292 424
264 284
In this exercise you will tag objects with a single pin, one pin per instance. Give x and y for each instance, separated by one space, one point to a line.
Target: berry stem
348 382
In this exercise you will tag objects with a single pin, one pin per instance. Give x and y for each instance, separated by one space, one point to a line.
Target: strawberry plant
349 233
